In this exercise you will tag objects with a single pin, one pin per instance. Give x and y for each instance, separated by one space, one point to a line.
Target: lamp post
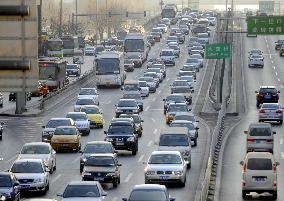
60 19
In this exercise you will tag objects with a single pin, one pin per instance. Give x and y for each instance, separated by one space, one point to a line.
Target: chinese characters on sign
218 51
265 25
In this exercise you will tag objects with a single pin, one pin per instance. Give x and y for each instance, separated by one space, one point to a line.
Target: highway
235 148
21 130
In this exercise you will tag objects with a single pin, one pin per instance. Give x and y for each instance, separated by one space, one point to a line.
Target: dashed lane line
281 141
155 131
128 177
149 143
140 158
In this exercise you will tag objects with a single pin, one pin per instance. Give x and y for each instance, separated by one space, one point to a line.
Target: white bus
70 45
109 69
55 48
135 43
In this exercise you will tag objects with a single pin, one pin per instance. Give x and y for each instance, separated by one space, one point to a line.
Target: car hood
82 199
81 123
165 167
64 138
49 129
95 117
5 190
173 148
126 108
29 175
99 169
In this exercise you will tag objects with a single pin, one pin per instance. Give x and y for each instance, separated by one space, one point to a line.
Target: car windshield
131 87
174 47
127 103
120 130
258 131
255 51
100 161
147 194
173 140
81 191
65 131
27 167
142 84
87 101
90 110
180 83
196 56
256 56
77 117
147 79
192 60
72 66
178 99
35 149
98 148
151 74
128 61
5 181
167 53
270 106
268 90
259 164
99 49
188 125
56 123
88 92
155 70
177 108
165 159
187 78
132 96
185 117
172 38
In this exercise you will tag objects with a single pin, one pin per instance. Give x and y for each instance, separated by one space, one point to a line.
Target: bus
135 43
170 11
52 71
109 69
70 45
55 48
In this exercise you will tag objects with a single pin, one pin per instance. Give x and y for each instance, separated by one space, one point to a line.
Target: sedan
165 167
151 83
81 121
270 112
89 92
125 106
199 57
256 60
179 85
195 62
128 65
81 101
144 89
9 187
89 51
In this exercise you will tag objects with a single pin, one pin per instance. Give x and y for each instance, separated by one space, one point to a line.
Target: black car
9 186
278 44
267 94
73 69
12 96
103 168
122 135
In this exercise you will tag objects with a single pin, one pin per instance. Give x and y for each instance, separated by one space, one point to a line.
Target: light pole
76 20
60 19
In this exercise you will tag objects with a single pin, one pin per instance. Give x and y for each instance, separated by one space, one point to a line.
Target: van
131 85
176 139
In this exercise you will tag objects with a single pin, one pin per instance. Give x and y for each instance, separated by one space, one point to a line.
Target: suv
125 106
9 186
281 51
103 168
267 94
168 57
259 174
260 137
73 69
122 135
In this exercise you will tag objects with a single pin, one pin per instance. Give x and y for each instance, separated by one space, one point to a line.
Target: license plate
119 143
259 141
259 179
267 96
25 186
99 178
164 177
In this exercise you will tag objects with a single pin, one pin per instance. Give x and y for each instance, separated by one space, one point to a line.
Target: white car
89 92
32 175
89 50
81 121
199 57
83 101
163 27
39 150
256 60
144 89
158 71
168 57
165 167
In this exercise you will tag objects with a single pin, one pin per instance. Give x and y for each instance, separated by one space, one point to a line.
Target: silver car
83 101
39 150
180 85
165 167
81 121
256 60
260 137
259 174
195 62
270 112
137 96
199 57
158 71
89 92
32 174
144 89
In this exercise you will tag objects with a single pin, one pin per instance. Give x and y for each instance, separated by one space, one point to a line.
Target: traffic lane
235 148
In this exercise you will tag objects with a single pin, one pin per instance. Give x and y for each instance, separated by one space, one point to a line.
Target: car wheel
274 195
281 122
244 194
118 179
81 168
195 142
115 183
189 165
257 104
1 137
134 151
182 183
1 105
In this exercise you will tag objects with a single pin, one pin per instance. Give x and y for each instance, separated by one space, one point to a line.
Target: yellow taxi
66 138
94 115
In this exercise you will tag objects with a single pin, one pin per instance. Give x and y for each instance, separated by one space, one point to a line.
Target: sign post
265 25
218 51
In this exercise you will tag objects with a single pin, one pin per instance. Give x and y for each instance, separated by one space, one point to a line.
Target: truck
170 11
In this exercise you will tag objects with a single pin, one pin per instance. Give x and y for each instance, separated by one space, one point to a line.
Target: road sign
265 25
18 45
218 51
266 6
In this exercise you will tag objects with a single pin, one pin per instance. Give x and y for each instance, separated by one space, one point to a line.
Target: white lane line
282 155
149 143
281 86
278 80
76 159
56 178
272 61
141 158
270 56
276 73
168 79
154 99
274 67
154 120
159 92
128 177
155 131
147 108
114 199
281 141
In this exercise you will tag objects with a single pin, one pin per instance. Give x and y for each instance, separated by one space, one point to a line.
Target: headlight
111 174
130 139
135 111
109 139
119 111
178 172
150 172
87 174
186 153
38 180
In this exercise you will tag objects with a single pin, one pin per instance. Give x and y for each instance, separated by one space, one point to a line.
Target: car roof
76 113
92 106
36 143
182 121
262 87
83 183
27 160
149 186
259 155
165 152
178 104
185 113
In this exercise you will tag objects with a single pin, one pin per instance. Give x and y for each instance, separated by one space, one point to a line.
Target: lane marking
149 143
272 61
153 120
147 108
270 56
168 79
128 177
141 158
278 80
282 155
155 131
281 86
56 178
276 73
281 141
274 67
114 199
159 92
154 99
76 159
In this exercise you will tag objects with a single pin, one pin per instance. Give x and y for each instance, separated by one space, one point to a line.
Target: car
128 65
13 96
94 114
81 101
144 89
173 31
99 49
196 48
1 130
176 49
81 121
32 175
172 39
166 21
137 121
125 106
73 69
176 139
90 51
203 38
39 150
181 37
191 128
195 62
267 94
137 96
151 83
89 92
158 71
180 86
165 167
66 138
95 147
256 60
102 167
278 44
153 61
259 174
255 51
281 51
270 112
188 67
174 108
199 57
131 86
156 36
168 56
160 66
51 125
157 30
1 100
187 73
123 136
188 116
212 21
83 190
137 60
9 187
184 29
189 79
149 192
151 39
173 98
260 137
153 75
163 27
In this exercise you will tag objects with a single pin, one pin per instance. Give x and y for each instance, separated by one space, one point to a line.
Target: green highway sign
266 6
265 25
218 51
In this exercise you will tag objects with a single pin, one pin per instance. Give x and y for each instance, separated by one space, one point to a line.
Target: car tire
81 168
134 151
182 183
1 137
195 143
257 104
274 195
244 194
115 183
281 122
1 105
189 165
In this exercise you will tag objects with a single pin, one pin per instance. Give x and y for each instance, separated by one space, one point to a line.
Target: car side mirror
2 123
59 194
241 162
119 164
279 92
142 120
115 151
43 126
256 92
47 169
80 151
245 132
274 132
277 163
197 128
164 99
16 183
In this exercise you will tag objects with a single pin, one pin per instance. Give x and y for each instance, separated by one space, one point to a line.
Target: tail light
279 111
275 184
269 141
262 111
274 169
250 140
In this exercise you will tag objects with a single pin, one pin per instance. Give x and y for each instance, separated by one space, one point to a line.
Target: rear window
270 106
259 164
173 140
260 131
267 90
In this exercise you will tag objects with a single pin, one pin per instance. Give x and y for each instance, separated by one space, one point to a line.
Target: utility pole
40 52
60 19
97 33
76 20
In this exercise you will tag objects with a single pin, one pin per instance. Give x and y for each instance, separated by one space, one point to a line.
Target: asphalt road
21 130
235 150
